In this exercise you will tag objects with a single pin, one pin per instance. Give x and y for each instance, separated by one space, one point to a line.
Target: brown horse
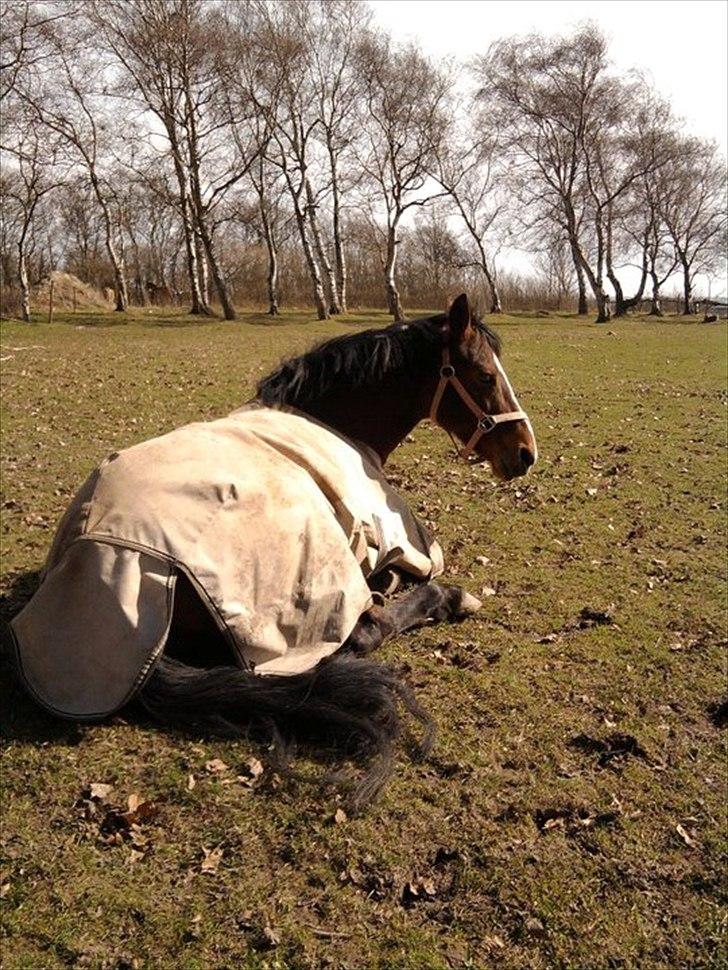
373 387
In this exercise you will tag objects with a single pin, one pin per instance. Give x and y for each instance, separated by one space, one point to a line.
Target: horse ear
459 317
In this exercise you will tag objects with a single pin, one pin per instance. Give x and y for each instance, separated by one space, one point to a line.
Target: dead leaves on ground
211 859
113 825
571 820
436 880
249 774
467 655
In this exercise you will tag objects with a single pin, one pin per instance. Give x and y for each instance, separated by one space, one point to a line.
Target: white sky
682 45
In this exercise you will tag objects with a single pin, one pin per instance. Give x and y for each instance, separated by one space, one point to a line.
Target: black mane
357 360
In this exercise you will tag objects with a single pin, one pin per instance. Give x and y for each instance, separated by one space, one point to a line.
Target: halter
486 422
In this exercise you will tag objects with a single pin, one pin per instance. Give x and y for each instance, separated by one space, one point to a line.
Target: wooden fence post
50 304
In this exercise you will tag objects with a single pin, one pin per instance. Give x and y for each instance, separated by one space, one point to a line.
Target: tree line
257 150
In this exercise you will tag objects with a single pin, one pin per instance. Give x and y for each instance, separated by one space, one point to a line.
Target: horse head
474 400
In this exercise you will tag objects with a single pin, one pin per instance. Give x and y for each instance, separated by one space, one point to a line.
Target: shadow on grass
355 773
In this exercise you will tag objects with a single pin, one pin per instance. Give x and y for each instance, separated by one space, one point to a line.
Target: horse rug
277 521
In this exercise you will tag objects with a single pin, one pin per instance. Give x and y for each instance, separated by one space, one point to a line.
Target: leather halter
486 422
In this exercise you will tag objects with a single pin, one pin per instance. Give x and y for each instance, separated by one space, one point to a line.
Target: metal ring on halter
447 370
486 423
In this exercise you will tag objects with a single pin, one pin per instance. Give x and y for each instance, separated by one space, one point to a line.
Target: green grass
633 410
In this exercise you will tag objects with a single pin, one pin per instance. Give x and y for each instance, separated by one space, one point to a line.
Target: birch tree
468 170
693 206
34 174
405 98
550 97
77 112
168 49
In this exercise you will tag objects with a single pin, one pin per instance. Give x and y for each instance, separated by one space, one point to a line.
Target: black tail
345 702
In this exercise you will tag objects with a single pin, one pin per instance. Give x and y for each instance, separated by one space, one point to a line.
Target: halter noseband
486 422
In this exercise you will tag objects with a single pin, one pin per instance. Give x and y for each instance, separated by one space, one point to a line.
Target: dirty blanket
277 521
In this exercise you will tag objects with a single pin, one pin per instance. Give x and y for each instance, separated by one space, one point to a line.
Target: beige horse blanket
277 521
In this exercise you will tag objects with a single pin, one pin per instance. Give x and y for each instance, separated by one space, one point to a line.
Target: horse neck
381 416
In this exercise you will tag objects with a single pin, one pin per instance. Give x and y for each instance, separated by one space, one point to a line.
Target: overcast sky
682 45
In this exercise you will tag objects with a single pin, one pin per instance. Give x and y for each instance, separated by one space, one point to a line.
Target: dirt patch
69 292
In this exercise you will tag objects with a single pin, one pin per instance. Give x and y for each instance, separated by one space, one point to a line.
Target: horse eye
487 380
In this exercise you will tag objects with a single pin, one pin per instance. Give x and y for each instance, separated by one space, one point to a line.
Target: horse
371 388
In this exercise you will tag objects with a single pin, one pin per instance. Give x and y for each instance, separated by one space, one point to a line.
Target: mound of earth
65 285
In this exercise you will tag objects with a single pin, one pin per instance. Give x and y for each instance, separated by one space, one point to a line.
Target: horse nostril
527 456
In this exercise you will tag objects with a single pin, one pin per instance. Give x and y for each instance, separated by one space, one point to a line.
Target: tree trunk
688 308
222 291
199 303
624 304
655 307
495 300
203 272
339 253
323 257
394 304
24 285
272 279
604 309
120 291
583 305
620 304
140 274
319 297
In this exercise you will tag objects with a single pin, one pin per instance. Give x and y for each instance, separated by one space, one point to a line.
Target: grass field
573 812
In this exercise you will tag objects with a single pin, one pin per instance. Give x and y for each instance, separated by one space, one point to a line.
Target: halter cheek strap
486 422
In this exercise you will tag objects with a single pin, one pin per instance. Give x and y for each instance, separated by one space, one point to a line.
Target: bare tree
168 48
334 28
35 174
279 85
468 170
78 114
556 102
24 40
555 266
693 206
405 97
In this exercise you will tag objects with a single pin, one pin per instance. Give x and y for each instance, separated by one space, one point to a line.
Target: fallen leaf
591 491
418 889
216 767
211 861
272 938
482 560
253 769
685 836
191 782
535 927
487 591
100 792
340 816
549 638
